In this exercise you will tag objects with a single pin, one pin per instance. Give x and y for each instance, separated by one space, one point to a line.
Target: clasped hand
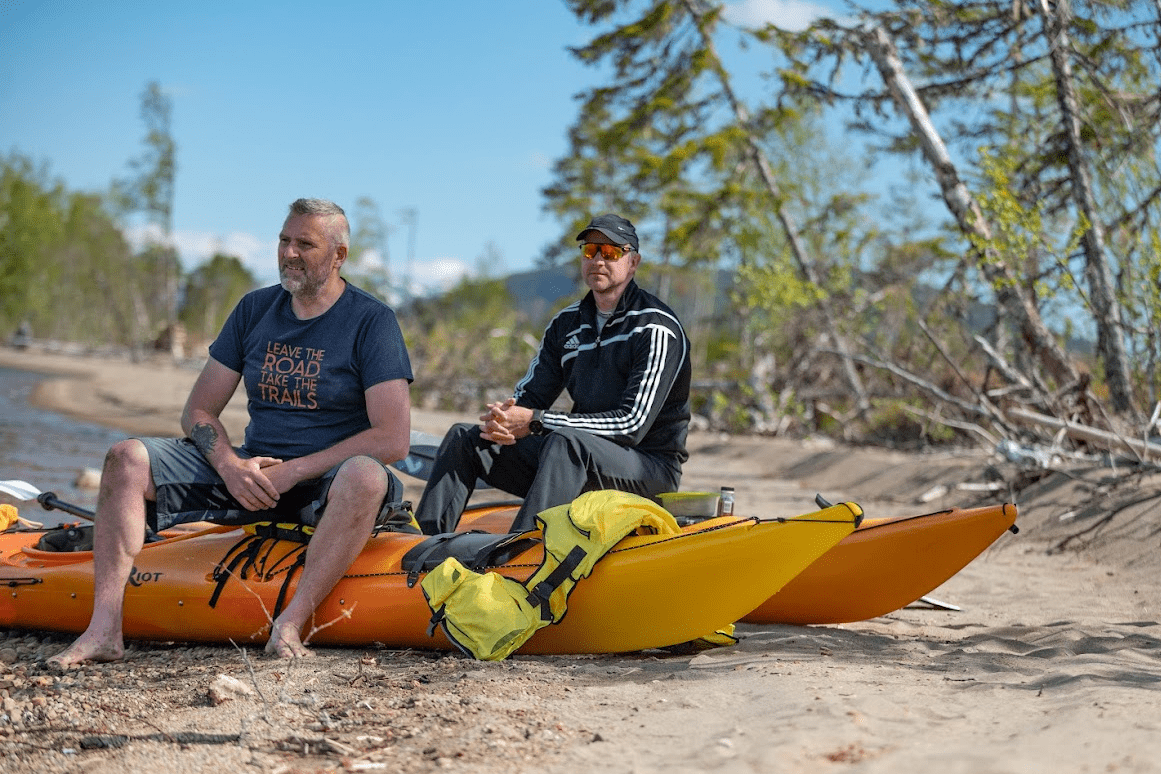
256 482
504 423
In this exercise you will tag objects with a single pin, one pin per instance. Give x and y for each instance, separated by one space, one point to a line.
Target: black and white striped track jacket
630 383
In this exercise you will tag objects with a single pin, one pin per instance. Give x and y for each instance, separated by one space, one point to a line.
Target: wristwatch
536 424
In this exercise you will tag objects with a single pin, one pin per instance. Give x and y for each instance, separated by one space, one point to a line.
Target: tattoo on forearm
204 437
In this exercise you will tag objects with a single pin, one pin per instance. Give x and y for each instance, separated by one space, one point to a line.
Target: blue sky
454 109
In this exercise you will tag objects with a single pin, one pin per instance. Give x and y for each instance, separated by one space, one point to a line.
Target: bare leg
353 503
117 539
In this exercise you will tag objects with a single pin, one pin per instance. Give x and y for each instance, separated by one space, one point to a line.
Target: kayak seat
77 537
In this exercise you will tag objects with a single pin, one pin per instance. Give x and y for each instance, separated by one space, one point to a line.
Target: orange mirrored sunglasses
608 252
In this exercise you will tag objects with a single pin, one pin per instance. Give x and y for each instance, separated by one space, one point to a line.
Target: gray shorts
189 489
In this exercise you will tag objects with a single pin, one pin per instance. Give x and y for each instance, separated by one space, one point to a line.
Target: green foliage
211 291
728 412
30 219
1021 235
67 269
100 298
469 346
64 265
774 287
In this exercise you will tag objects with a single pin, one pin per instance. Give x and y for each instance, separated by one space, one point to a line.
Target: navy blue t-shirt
305 379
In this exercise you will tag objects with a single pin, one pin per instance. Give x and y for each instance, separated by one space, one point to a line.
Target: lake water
46 449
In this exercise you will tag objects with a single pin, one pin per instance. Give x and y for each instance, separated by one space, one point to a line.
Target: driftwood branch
968 408
1005 368
1010 292
947 358
970 427
1103 438
985 403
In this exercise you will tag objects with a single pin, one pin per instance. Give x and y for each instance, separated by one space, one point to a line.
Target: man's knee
363 477
129 455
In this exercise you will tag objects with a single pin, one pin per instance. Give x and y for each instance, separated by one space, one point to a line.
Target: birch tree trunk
1013 300
1106 308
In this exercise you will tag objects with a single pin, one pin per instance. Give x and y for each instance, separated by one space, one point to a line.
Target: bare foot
284 642
89 649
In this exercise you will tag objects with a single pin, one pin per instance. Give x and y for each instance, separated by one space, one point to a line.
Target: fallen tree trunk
1143 449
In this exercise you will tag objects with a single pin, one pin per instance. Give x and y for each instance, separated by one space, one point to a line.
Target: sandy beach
1052 664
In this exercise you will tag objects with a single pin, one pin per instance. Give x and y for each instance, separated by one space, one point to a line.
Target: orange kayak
648 591
884 565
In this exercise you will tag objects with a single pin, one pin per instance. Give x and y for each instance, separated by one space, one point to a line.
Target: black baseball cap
614 227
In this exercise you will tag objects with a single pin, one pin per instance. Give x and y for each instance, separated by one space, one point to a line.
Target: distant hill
541 290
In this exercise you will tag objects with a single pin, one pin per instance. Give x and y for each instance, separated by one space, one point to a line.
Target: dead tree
1106 309
1013 299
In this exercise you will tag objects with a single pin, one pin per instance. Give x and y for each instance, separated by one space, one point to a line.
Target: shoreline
141 398
770 475
1053 662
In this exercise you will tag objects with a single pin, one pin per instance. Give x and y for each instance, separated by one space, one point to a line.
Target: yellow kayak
648 591
883 565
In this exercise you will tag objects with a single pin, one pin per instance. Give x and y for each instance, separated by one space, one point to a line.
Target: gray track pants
545 470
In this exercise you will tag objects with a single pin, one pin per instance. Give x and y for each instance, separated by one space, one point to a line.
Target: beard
301 283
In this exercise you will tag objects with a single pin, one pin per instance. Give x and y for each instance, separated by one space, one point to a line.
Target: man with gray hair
326 373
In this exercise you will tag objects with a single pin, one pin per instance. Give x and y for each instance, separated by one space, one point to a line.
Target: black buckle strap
290 573
543 591
476 550
430 546
246 552
245 549
437 618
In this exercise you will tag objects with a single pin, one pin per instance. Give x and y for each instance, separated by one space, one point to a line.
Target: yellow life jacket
489 616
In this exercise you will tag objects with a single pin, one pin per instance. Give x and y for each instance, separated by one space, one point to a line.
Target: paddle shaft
50 502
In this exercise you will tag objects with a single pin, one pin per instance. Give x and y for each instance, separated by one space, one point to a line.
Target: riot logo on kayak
138 578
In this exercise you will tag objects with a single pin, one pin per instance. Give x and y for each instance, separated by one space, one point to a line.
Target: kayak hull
884 565
648 591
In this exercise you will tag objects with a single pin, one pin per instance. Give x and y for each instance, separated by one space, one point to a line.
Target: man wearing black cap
624 359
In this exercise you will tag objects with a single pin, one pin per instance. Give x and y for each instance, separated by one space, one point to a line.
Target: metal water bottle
726 501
